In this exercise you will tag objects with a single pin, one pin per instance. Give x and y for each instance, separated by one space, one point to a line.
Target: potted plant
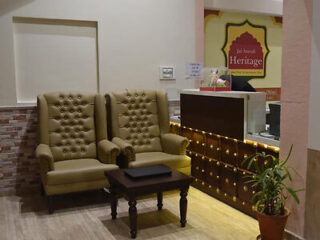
271 180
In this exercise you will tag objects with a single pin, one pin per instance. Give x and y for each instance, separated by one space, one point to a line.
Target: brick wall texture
19 170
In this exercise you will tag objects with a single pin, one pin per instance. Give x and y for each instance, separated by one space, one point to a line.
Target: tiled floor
87 216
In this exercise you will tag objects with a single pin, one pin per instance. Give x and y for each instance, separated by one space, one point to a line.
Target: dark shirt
238 84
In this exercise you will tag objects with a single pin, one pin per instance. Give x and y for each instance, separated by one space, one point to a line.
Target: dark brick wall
19 170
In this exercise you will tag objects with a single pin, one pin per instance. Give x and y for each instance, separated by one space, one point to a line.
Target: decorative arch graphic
246 50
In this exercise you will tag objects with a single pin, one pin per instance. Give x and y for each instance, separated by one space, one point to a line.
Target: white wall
268 7
134 39
314 110
54 55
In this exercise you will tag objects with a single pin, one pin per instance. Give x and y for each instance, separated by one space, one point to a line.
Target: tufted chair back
139 117
68 123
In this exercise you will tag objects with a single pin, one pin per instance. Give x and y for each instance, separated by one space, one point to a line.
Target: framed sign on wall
245 50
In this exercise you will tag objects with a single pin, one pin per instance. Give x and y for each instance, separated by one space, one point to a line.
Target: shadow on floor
151 224
64 203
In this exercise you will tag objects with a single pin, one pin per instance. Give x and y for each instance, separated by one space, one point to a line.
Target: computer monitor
275 109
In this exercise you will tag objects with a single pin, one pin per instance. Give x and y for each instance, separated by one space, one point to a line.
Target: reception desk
216 124
238 115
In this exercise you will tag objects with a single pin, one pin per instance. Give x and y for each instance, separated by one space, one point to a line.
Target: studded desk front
216 165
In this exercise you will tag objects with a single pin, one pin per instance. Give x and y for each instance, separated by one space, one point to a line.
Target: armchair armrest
127 153
45 158
108 152
174 144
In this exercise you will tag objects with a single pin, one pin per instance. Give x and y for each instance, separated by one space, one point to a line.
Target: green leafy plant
271 183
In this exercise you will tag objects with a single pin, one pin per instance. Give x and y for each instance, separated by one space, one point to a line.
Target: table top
230 94
148 184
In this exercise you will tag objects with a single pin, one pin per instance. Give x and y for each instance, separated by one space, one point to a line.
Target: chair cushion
71 125
154 158
135 119
78 170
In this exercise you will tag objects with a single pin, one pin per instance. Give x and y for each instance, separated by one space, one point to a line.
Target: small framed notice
194 70
167 73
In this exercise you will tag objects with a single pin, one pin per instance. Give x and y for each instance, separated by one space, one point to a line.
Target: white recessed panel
54 55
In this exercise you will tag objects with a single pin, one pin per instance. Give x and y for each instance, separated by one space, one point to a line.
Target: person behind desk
238 84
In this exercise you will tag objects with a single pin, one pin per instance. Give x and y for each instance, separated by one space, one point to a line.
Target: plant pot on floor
272 227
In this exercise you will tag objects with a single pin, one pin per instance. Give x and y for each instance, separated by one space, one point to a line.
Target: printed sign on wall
194 69
246 50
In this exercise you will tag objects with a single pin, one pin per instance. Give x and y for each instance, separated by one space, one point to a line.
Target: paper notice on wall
194 69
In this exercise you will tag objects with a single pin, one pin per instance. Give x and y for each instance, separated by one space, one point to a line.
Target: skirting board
288 235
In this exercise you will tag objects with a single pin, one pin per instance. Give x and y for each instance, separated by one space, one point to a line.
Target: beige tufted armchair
140 127
73 149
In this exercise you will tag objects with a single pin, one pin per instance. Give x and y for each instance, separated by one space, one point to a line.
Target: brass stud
266 162
211 174
235 184
235 169
202 170
227 151
225 195
203 144
226 166
218 177
196 180
197 142
227 180
197 167
210 160
211 146
243 203
210 186
218 149
210 134
203 132
196 154
234 199
245 188
202 157
244 173
253 192
245 156
218 190
218 163
202 183
235 154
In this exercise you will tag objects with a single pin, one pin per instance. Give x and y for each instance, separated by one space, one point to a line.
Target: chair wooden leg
50 204
42 190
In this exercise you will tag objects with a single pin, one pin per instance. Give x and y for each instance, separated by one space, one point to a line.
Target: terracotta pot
272 227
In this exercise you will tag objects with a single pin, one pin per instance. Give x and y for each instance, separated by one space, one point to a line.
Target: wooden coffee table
120 183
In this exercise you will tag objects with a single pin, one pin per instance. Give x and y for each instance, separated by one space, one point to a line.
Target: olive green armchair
73 149
140 127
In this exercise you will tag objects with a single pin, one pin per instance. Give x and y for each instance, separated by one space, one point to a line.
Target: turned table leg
183 206
133 217
114 202
159 197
